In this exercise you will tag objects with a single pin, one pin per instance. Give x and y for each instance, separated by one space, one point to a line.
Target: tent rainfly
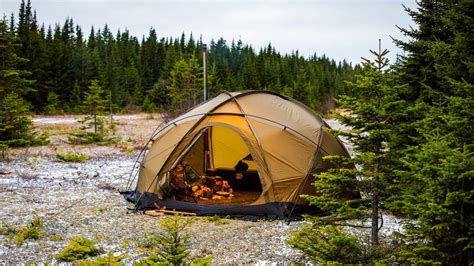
280 140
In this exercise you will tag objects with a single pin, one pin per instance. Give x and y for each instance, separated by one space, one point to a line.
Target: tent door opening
216 169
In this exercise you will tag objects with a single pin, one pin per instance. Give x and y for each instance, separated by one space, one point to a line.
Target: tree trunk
95 124
374 236
375 221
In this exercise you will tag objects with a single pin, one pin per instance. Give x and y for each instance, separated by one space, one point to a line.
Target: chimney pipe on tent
204 64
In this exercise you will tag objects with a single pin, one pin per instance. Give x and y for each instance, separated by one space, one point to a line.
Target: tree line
157 73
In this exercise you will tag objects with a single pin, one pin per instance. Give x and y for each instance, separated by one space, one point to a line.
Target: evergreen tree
435 163
15 125
94 102
148 105
438 193
302 89
93 105
172 245
52 103
214 84
76 97
185 85
157 97
374 94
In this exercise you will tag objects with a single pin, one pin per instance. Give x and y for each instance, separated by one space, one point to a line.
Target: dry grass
134 131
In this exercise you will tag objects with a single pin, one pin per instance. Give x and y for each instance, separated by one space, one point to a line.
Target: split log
177 212
154 213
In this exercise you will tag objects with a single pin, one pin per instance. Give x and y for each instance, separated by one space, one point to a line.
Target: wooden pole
204 64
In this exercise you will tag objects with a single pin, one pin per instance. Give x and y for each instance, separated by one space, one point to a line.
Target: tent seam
321 134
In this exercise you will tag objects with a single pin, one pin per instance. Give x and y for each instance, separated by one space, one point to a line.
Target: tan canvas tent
282 140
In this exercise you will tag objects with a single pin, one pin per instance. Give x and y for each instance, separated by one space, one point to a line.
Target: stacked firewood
212 188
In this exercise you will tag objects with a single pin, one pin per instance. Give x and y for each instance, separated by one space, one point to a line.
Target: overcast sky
340 29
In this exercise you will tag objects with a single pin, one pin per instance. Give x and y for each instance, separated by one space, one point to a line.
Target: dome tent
284 139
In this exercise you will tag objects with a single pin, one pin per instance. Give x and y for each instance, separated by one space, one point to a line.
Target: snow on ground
54 120
70 119
335 124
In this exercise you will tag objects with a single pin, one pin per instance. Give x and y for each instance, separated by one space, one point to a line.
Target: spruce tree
157 98
435 170
302 89
52 103
438 192
94 102
15 124
185 85
374 94
214 84
172 246
93 125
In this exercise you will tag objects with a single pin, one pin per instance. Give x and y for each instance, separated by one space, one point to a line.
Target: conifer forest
78 107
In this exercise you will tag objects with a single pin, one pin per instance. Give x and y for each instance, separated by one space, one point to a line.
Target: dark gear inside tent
216 169
249 153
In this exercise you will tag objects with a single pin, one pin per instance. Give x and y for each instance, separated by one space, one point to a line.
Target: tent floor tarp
274 210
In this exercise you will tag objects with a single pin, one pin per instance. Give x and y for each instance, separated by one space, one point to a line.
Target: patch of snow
126 117
392 224
54 120
336 124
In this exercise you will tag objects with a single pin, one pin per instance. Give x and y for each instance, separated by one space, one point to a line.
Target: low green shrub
31 231
414 249
332 244
207 261
327 244
147 243
7 229
93 131
29 140
113 127
110 259
21 234
78 248
85 137
4 151
170 247
128 150
56 238
216 219
72 157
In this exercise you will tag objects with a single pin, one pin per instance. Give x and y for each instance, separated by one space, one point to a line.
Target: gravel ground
82 199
